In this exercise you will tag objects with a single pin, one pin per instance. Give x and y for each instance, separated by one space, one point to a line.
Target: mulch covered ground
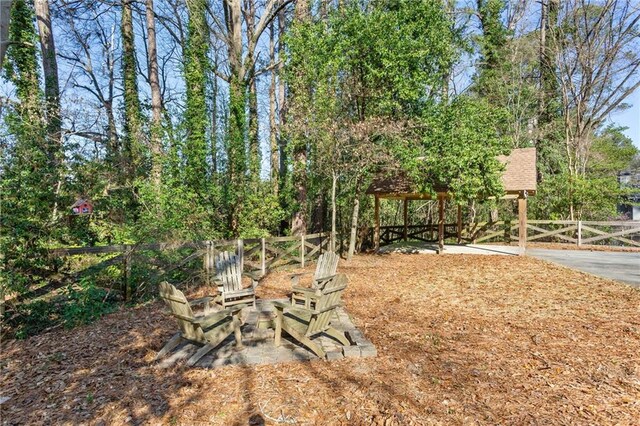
461 339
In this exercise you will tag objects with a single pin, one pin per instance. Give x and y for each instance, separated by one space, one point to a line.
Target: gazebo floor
419 247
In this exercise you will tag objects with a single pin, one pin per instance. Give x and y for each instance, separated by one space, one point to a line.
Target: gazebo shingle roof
519 175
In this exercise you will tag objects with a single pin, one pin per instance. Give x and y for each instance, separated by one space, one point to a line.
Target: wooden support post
376 229
206 262
459 228
522 222
263 257
241 254
405 217
302 250
126 272
440 224
579 233
332 241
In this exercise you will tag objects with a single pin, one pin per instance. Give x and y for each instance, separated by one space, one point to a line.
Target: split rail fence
578 233
140 265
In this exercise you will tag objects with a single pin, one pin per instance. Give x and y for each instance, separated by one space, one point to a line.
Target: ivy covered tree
29 169
196 120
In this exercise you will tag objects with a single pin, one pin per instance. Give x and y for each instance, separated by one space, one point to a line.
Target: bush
79 304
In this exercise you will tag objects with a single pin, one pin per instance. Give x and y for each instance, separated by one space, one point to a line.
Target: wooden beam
376 230
522 222
406 205
440 224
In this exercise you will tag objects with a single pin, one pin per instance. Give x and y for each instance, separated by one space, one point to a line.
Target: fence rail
605 233
259 255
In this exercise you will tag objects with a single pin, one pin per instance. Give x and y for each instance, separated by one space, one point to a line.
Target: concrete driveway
619 266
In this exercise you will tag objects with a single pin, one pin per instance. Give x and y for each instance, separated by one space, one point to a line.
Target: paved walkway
619 266
419 247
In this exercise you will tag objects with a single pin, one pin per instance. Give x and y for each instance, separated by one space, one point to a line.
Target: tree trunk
354 229
155 141
299 224
5 13
214 121
273 127
196 116
132 110
236 156
334 182
254 140
282 100
51 94
493 215
50 68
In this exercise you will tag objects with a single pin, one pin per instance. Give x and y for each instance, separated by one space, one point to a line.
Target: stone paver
259 347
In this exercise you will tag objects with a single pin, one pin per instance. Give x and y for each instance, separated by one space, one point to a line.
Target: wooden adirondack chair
325 268
325 271
209 329
303 323
229 278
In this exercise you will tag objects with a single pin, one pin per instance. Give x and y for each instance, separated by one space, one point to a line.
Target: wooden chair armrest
238 293
281 305
320 283
299 274
254 277
201 300
295 278
306 291
333 290
328 308
327 278
215 317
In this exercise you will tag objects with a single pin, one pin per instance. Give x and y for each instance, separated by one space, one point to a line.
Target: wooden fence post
241 254
263 256
332 241
126 269
208 262
579 233
302 250
507 231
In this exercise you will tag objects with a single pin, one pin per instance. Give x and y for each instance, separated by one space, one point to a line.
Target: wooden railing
260 255
427 233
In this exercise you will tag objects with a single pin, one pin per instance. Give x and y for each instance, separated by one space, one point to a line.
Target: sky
630 118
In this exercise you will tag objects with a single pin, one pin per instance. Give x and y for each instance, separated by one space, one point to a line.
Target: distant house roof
519 175
80 202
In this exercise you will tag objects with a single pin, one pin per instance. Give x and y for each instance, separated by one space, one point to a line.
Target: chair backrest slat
228 271
320 322
327 265
181 311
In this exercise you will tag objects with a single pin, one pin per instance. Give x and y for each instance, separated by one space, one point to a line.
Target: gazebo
518 178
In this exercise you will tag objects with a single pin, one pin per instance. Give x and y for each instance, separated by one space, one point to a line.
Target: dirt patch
461 339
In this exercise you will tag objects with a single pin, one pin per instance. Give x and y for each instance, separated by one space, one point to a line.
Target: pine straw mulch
461 339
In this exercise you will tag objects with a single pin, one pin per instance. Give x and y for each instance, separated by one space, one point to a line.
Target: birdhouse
82 207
